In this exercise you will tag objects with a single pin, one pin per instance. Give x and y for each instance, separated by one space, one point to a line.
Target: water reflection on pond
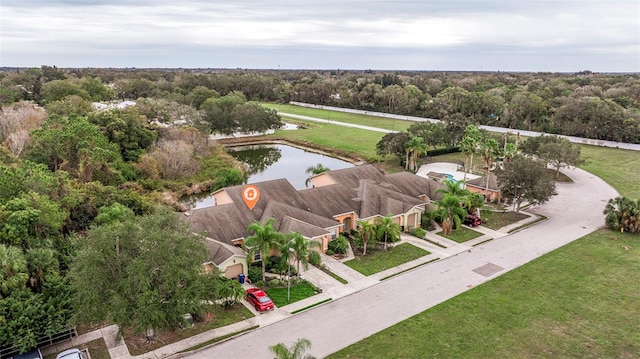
268 162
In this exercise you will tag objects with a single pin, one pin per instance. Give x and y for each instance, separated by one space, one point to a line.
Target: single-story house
336 202
230 260
490 190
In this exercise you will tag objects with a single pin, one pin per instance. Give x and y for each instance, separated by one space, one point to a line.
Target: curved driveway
573 213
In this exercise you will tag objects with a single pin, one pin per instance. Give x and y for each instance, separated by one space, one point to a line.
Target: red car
259 299
472 220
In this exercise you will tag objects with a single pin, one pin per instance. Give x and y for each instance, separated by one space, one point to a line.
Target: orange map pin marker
250 195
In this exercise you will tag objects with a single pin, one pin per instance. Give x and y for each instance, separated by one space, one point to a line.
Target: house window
334 233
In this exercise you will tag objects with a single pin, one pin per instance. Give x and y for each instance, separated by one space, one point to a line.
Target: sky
430 35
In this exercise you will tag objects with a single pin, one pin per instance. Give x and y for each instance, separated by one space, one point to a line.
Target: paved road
573 213
345 124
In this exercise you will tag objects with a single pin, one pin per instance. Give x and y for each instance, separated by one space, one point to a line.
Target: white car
70 354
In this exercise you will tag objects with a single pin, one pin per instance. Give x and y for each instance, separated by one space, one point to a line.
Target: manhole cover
488 269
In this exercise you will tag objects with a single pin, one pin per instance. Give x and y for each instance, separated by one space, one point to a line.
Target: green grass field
298 292
580 301
461 234
619 168
361 143
380 122
378 260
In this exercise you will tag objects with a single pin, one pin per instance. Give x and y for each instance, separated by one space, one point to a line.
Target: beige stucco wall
341 218
222 197
491 195
322 179
232 261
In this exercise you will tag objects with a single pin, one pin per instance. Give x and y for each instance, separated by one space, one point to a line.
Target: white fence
581 140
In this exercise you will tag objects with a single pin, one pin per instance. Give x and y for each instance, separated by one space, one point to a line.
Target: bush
339 245
274 283
314 258
418 232
442 151
255 274
276 265
357 242
330 252
427 222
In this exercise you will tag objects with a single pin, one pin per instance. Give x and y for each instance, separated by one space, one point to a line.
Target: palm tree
450 212
264 240
366 232
295 352
489 149
509 152
414 148
454 188
300 248
388 229
13 270
315 170
469 145
623 214
40 262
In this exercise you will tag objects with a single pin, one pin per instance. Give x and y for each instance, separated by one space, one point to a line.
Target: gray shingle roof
331 200
350 177
220 252
280 210
481 182
379 200
415 186
364 190
290 224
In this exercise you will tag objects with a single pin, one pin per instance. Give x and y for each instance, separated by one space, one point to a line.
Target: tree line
585 104
66 170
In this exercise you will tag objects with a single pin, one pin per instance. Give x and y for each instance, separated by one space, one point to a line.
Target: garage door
233 271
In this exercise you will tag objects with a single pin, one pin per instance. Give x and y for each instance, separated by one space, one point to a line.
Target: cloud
49 29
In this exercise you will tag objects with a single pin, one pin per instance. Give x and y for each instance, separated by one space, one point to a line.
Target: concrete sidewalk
332 289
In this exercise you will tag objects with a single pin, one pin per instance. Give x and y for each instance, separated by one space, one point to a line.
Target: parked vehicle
33 354
472 220
259 299
70 354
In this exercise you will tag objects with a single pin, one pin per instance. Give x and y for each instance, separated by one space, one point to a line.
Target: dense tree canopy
525 179
141 272
557 151
65 168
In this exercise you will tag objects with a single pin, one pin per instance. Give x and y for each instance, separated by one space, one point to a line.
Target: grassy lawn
461 234
619 168
497 220
219 318
378 260
362 143
374 121
580 301
299 291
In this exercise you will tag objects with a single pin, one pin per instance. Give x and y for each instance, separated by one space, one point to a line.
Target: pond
272 161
